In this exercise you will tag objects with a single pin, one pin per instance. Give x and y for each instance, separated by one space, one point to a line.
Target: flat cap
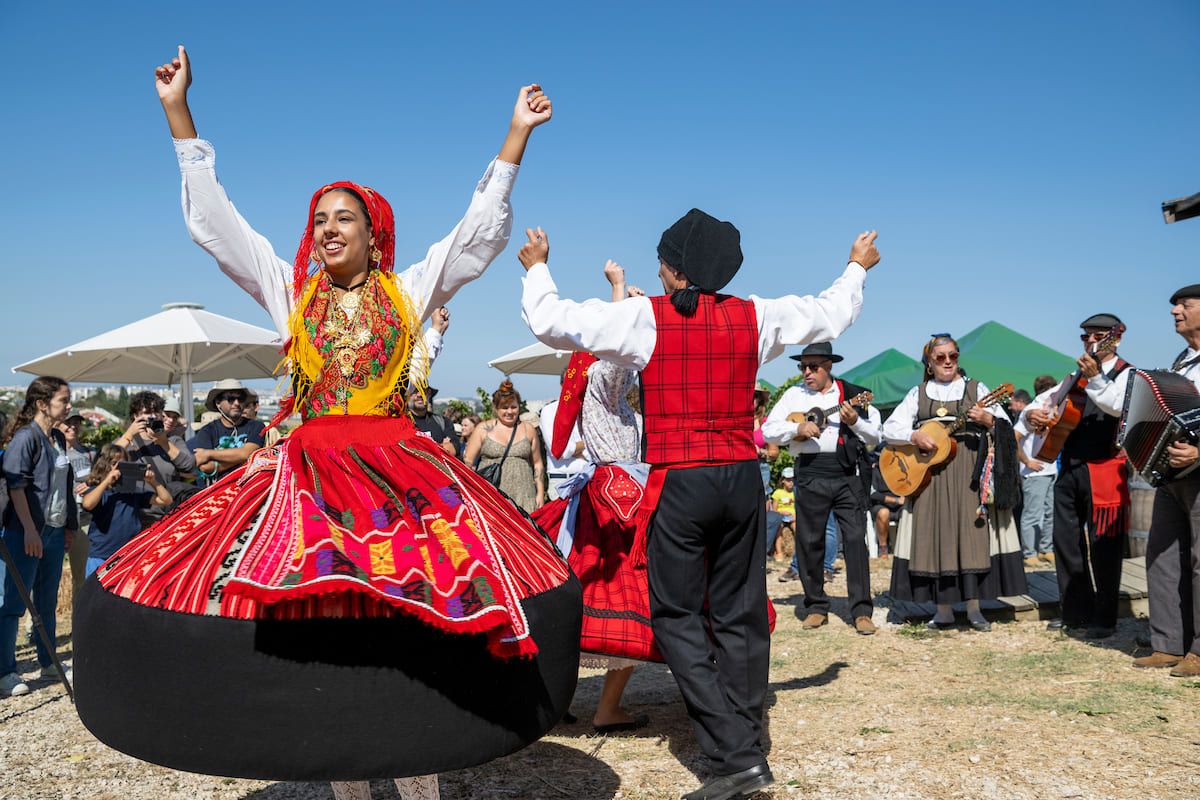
1186 292
1101 321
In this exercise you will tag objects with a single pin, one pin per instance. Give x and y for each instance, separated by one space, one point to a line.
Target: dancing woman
354 603
594 521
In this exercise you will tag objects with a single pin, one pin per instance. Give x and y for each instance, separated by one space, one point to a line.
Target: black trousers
1086 597
816 495
707 540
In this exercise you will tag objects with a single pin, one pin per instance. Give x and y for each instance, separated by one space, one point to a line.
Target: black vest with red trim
1095 437
698 388
849 447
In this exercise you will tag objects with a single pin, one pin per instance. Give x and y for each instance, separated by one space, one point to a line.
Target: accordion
1160 408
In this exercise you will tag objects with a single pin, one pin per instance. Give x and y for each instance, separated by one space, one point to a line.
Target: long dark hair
109 454
43 388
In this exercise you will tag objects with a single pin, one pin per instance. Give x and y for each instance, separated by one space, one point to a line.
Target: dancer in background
594 520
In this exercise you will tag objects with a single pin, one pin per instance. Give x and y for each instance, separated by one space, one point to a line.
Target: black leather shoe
723 787
934 625
983 626
1099 632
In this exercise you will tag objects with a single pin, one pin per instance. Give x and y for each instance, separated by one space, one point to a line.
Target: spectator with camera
147 441
228 441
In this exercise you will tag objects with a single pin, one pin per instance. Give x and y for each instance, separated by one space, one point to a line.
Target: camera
154 425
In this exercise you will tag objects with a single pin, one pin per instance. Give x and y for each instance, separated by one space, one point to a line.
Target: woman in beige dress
523 476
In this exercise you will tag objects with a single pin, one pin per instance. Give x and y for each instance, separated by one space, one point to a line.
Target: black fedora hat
822 349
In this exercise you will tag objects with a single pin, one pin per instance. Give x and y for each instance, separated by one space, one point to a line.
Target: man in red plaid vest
699 352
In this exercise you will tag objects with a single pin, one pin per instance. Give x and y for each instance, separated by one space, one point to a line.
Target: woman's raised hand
533 107
172 80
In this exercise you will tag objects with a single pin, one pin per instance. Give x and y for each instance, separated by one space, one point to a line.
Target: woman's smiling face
342 233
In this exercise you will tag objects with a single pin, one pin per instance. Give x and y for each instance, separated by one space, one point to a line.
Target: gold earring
312 254
376 255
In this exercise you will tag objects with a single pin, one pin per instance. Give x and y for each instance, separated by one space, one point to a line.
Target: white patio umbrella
536 359
181 344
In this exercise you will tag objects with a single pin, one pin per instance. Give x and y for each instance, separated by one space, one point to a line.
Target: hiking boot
814 621
864 625
11 685
1188 668
1047 557
790 575
1157 660
1034 563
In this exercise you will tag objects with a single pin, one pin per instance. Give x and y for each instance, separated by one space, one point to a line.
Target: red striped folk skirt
616 594
347 517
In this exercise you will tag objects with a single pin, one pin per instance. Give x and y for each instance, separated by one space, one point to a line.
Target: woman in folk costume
354 603
958 542
594 521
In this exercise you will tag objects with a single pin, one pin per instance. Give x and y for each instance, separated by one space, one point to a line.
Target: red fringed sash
1110 497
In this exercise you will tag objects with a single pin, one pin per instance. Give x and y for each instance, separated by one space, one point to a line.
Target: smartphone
131 473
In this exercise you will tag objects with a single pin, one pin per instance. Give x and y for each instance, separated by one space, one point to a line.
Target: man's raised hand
863 250
536 250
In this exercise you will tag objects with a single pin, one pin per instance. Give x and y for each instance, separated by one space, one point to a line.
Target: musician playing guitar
1091 494
832 474
1174 531
955 545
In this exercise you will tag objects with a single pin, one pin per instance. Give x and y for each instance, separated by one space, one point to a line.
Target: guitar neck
854 401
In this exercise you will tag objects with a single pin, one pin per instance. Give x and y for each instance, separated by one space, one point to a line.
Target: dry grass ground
1016 713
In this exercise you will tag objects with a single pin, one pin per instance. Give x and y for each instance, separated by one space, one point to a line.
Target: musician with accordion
1160 423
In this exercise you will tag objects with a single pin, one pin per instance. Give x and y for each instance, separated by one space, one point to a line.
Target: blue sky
1013 157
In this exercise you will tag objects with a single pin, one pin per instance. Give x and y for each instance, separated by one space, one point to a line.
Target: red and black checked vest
698 389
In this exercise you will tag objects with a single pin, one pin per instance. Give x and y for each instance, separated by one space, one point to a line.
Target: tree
120 406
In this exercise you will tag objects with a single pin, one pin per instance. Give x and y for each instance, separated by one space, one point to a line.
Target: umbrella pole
185 399
33 614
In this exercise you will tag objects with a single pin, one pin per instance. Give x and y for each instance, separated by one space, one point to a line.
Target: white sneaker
11 685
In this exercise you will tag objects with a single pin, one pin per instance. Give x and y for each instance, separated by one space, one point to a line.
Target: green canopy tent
995 354
888 375
991 353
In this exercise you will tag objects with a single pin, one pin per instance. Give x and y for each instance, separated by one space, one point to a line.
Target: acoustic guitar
820 416
1066 406
907 469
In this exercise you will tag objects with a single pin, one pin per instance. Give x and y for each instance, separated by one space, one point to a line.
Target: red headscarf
383 228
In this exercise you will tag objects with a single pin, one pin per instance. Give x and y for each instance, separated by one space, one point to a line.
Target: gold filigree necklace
348 333
349 301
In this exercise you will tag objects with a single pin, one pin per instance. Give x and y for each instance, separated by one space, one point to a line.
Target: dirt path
1016 713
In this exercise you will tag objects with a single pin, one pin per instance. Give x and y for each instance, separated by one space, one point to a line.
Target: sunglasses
1092 337
811 366
942 358
230 397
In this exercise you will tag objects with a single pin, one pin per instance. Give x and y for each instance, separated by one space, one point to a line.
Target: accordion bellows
1160 408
